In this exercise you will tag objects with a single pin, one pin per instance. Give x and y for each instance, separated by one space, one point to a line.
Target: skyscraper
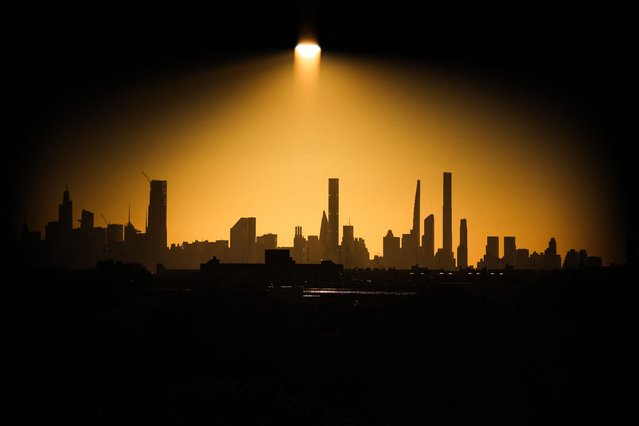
391 249
65 212
156 227
410 241
415 230
447 214
299 246
551 259
428 241
462 250
510 248
86 221
348 244
444 258
242 248
333 216
324 238
491 258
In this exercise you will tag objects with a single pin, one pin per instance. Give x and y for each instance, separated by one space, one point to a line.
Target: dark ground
99 347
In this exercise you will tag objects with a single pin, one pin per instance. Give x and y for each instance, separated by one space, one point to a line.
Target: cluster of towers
408 252
352 251
82 247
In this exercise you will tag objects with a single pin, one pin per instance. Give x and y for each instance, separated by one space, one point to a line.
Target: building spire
415 230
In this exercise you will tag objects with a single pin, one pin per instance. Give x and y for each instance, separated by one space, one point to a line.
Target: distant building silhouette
348 245
314 249
410 241
428 242
412 250
572 260
300 251
242 248
579 259
65 212
263 243
510 248
391 249
57 233
447 214
269 241
361 256
491 257
445 259
333 217
86 221
462 250
325 238
551 259
131 235
192 255
156 228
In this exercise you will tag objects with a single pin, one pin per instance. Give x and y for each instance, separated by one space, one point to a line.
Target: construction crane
147 178
104 218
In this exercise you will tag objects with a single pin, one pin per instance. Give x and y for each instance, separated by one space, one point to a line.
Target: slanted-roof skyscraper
410 241
156 227
415 230
242 249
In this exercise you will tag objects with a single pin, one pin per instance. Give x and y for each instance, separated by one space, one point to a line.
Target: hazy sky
249 140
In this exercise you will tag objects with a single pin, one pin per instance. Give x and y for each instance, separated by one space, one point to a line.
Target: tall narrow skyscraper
428 241
415 230
444 258
156 227
410 241
65 212
333 216
447 214
462 250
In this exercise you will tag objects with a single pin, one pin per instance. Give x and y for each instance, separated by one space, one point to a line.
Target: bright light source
307 50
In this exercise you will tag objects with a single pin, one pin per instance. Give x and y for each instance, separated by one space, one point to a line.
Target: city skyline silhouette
239 139
64 245
426 217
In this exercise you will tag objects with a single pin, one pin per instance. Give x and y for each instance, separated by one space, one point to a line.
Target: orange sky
250 140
